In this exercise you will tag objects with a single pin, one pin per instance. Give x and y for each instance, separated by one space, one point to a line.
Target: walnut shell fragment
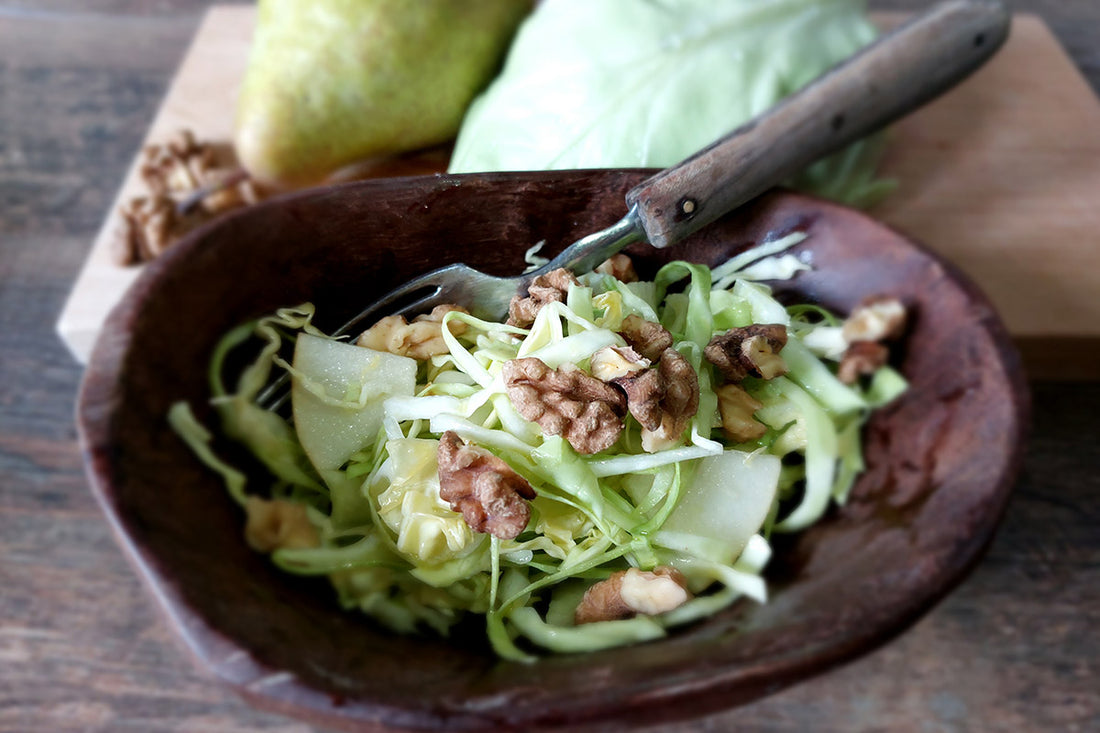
486 490
567 402
749 350
549 288
628 593
421 339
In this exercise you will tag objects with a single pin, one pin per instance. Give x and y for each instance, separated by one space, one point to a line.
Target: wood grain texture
81 647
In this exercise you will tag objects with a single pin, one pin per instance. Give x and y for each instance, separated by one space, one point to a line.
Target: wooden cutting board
1001 175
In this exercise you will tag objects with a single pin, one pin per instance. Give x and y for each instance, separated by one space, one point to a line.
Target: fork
893 76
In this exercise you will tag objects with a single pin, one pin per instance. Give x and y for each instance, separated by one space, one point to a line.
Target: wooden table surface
82 648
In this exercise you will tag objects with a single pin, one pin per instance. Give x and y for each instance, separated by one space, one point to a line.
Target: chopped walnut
878 318
630 592
567 402
679 404
644 391
620 267
646 337
861 358
421 339
277 523
187 184
737 407
662 400
549 288
149 225
749 350
613 362
486 490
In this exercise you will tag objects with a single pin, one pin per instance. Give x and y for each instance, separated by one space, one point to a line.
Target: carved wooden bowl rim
941 461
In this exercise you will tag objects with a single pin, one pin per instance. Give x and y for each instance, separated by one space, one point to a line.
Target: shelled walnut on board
186 182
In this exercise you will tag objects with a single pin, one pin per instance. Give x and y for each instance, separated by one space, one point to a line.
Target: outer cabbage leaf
631 83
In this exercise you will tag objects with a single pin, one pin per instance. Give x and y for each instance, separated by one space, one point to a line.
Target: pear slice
329 433
330 83
724 506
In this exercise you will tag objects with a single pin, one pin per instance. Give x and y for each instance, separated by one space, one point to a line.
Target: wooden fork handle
888 79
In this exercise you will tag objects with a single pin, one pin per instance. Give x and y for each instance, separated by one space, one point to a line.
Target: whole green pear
334 82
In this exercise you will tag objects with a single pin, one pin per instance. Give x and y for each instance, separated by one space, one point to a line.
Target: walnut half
421 339
187 182
646 337
486 490
737 409
620 267
630 592
662 400
567 402
549 288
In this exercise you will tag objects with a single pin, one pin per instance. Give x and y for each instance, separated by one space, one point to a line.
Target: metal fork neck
586 254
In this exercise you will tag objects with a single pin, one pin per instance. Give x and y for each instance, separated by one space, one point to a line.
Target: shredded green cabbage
702 505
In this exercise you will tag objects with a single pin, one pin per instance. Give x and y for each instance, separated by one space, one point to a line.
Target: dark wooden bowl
941 460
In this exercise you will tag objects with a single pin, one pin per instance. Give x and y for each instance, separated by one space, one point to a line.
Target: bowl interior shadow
941 460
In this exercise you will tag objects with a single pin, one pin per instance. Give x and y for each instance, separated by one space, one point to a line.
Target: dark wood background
82 647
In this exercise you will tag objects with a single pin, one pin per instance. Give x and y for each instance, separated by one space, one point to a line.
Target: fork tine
275 395
380 307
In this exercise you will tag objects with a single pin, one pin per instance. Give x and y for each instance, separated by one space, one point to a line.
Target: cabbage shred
394 550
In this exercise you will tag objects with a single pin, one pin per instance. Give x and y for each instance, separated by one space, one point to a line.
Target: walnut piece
276 523
549 288
877 318
420 340
620 267
663 400
630 592
644 391
149 225
613 362
737 407
186 183
567 402
861 358
485 489
749 350
646 337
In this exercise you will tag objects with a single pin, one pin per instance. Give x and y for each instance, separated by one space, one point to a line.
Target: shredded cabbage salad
354 491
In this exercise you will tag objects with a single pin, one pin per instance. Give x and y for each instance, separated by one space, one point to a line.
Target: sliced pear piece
725 505
330 83
329 433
